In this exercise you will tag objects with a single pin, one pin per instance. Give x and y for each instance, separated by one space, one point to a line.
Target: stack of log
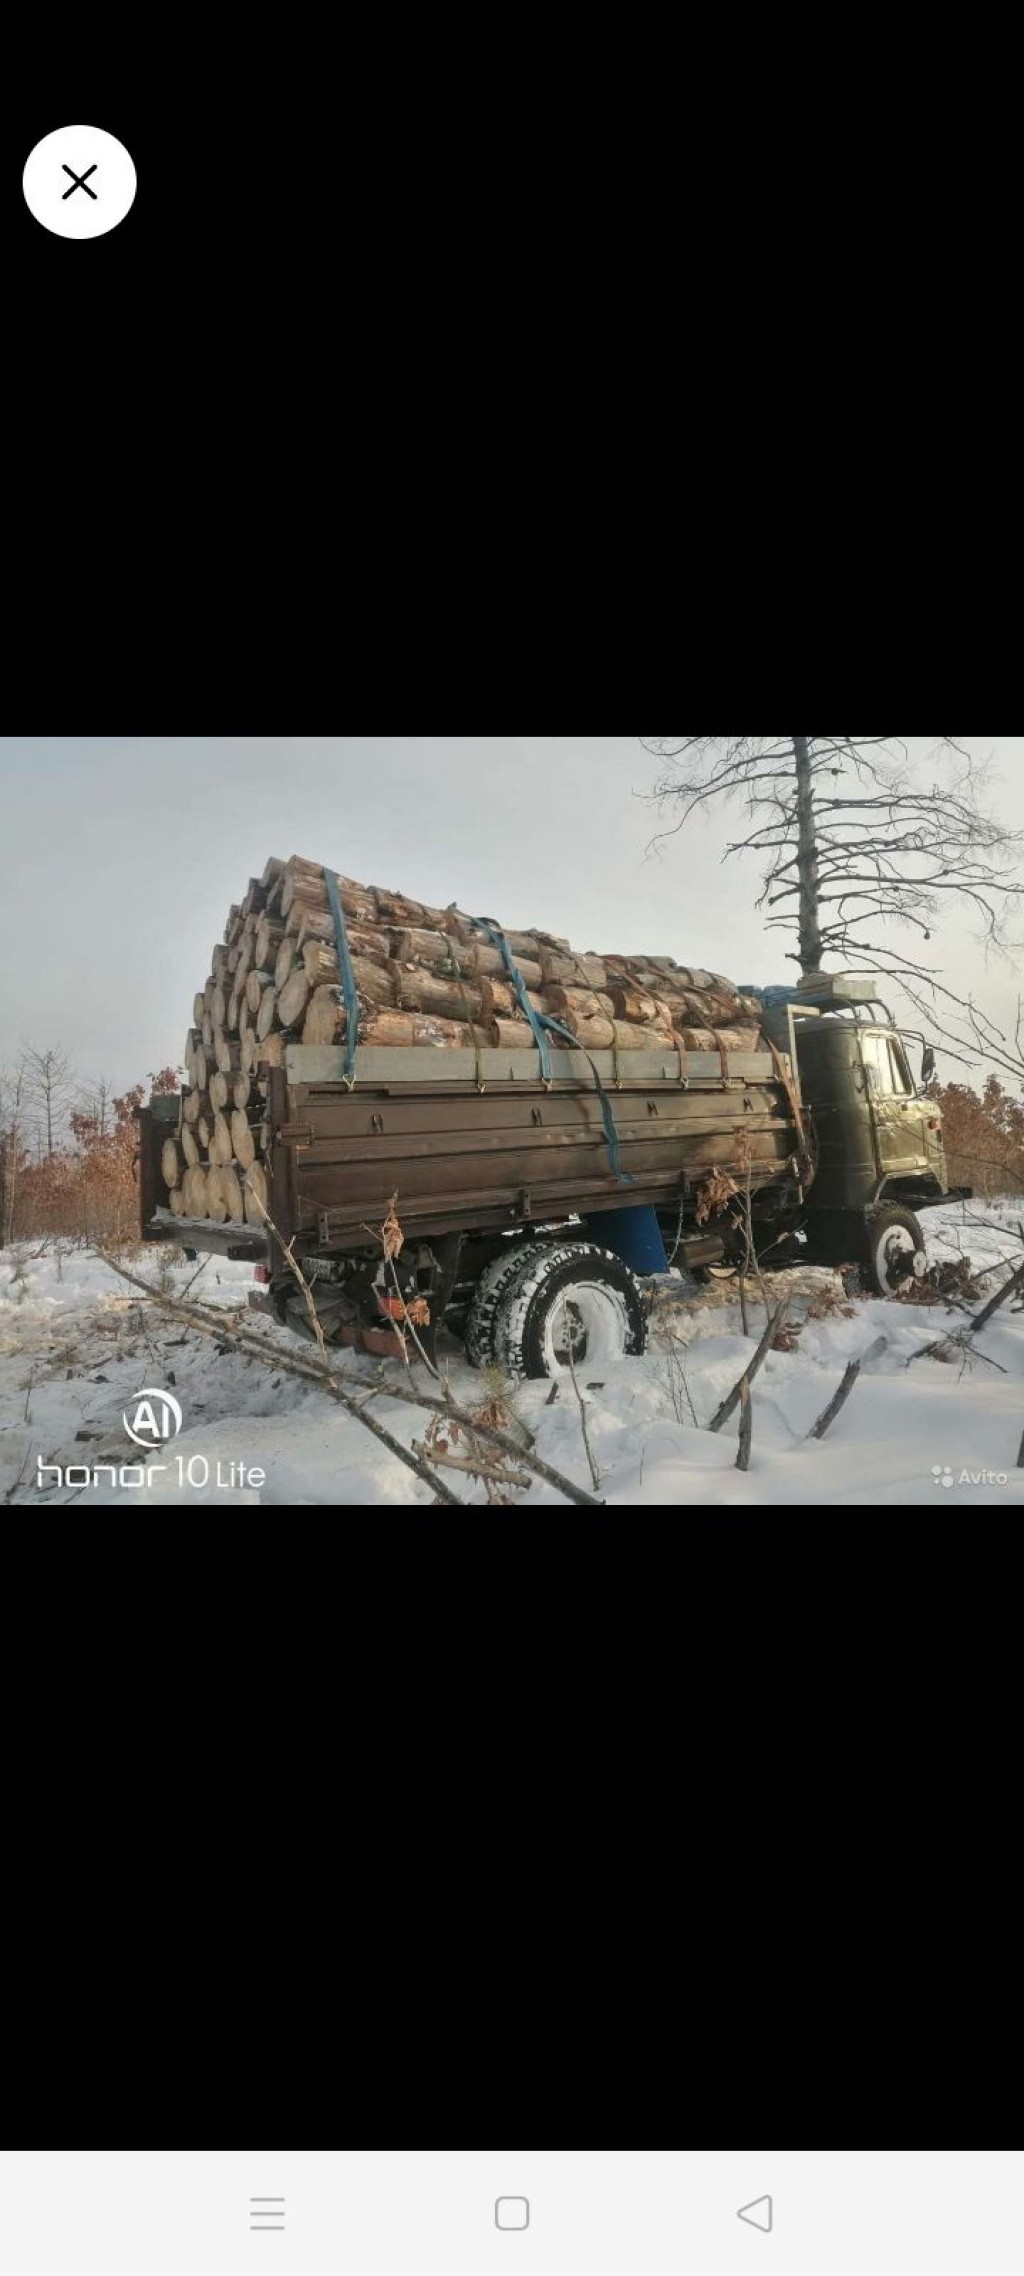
423 976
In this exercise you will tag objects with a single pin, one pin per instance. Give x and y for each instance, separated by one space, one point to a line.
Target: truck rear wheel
575 1299
486 1300
893 1249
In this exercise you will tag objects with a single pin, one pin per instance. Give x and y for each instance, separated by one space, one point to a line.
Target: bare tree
50 1084
95 1098
852 842
13 1090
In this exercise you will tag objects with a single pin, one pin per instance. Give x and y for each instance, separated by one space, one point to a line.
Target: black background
366 1830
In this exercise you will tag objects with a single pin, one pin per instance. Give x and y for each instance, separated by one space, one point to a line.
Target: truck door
894 1105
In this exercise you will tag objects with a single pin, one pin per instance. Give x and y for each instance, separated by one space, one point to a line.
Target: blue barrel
783 993
632 1234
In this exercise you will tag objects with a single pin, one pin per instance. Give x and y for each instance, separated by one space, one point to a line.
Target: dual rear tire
546 1305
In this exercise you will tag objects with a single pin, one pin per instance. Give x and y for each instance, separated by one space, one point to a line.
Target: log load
284 962
254 1194
424 977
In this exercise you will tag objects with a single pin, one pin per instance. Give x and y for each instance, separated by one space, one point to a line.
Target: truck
528 1212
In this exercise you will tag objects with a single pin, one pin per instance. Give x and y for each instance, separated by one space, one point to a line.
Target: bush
984 1136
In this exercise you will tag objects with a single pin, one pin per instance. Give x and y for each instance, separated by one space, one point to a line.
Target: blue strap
348 978
542 1023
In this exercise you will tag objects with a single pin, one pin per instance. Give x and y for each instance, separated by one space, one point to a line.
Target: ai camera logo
157 1417
942 1473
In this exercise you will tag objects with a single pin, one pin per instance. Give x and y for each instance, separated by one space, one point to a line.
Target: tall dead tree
96 1099
13 1085
857 841
50 1088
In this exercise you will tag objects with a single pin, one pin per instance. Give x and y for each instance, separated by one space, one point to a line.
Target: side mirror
927 1064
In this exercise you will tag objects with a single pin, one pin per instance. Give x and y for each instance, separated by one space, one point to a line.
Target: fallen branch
288 1253
311 1371
475 1465
1015 1283
733 1397
955 1341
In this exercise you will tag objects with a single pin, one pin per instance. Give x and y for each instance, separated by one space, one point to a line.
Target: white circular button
79 181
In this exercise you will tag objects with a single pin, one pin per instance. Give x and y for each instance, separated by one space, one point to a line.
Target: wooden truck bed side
418 1124
518 1150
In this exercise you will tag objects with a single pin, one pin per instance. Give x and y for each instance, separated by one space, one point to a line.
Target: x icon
79 181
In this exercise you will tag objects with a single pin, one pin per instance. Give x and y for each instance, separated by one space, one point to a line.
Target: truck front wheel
893 1251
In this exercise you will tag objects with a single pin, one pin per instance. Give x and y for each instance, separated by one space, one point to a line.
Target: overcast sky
123 854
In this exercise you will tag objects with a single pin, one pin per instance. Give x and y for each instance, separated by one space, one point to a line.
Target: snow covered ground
77 1347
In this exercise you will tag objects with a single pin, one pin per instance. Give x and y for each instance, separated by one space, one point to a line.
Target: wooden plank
233 1239
355 1153
548 1202
323 1063
354 1186
329 1111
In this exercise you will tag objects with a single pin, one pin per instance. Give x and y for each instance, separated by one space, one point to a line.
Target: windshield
885 1067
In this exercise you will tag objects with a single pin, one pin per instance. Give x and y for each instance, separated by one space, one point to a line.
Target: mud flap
632 1234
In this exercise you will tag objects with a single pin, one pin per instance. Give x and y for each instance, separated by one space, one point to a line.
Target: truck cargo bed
480 1140
516 1149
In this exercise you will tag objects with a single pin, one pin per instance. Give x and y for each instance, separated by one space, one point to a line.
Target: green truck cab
875 1137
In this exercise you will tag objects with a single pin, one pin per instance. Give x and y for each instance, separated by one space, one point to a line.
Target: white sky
123 853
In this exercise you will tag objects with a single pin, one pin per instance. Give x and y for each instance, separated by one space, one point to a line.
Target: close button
99 166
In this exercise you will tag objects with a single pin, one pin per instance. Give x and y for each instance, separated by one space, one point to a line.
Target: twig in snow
595 1473
288 1254
15 1482
751 1259
200 1267
949 1343
732 1398
839 1398
746 1426
407 1321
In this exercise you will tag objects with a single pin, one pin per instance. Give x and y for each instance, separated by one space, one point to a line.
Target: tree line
67 1150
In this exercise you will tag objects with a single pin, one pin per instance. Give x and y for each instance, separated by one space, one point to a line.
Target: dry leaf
713 1193
391 1232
